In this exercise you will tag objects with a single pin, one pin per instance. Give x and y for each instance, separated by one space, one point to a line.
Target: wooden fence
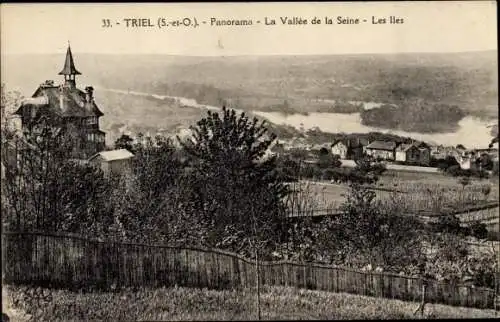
70 261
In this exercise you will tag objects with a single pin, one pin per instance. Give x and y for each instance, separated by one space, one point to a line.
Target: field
424 191
175 304
419 188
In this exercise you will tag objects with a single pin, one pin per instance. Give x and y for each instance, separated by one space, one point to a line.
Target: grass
277 303
417 196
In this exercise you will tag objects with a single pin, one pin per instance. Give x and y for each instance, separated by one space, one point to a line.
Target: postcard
224 161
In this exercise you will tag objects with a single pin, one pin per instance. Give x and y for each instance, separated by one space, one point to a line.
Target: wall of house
384 154
119 166
354 153
341 150
425 157
401 156
412 155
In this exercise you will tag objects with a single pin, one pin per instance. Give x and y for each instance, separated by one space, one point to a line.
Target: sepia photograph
249 161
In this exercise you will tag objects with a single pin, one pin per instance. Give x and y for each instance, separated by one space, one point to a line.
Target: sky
427 27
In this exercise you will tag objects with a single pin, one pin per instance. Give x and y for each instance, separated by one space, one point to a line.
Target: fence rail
66 261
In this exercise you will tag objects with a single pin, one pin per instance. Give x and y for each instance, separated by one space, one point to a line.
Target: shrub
448 224
486 190
478 230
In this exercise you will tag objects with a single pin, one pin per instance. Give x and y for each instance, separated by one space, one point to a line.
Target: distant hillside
465 84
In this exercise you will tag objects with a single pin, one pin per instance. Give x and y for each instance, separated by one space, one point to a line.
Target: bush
444 164
448 224
478 230
310 171
457 171
289 169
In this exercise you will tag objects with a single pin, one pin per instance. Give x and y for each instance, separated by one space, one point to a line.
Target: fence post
422 303
258 281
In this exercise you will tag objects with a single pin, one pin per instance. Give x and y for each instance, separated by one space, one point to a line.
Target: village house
339 148
491 150
113 162
349 148
73 110
384 150
441 152
415 153
407 153
464 161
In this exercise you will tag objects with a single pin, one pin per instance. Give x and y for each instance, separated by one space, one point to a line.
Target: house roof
421 144
120 154
69 65
319 146
113 155
351 142
404 147
65 101
382 145
337 142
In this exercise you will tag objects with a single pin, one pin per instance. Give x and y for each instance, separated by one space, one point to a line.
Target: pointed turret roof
69 65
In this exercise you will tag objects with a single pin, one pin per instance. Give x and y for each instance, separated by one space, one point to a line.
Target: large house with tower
73 109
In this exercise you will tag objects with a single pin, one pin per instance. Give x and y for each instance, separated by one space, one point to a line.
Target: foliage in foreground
170 304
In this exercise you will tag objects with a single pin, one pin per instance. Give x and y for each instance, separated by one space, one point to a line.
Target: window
92 120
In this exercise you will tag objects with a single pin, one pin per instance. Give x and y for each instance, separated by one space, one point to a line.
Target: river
472 132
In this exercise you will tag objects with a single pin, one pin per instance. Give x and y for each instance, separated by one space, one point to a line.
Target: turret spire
69 70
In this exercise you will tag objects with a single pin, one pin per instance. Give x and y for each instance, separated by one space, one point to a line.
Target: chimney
89 94
61 97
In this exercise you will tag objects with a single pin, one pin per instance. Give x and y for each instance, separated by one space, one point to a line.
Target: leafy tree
327 160
233 180
124 142
485 162
486 190
10 100
375 236
493 141
150 204
449 161
289 168
45 189
479 230
367 170
77 205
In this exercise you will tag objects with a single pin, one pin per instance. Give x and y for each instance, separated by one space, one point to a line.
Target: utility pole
257 273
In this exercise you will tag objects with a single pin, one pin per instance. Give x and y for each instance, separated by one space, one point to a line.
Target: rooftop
113 155
63 101
404 147
69 65
382 145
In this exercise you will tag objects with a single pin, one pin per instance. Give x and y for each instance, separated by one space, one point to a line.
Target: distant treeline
342 107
